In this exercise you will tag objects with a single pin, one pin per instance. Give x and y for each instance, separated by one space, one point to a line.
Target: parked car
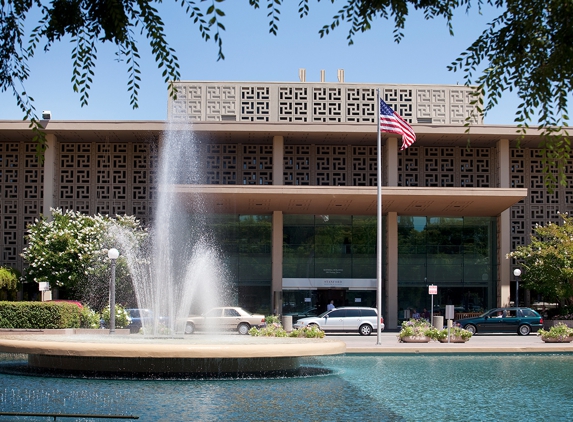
137 316
504 320
225 318
347 319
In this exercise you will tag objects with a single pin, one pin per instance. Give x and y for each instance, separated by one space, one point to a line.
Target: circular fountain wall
202 356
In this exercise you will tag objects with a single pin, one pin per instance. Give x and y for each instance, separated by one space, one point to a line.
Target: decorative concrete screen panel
21 197
107 178
318 102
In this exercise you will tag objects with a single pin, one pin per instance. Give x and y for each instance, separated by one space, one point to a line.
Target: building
289 172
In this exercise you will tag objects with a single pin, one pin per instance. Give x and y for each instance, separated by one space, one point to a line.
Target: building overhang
332 200
262 133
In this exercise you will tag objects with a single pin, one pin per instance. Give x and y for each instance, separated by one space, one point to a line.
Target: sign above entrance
432 289
330 283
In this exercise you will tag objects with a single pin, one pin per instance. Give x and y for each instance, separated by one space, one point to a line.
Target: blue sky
252 54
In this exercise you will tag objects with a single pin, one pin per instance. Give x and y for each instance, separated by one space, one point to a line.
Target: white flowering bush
70 251
548 261
122 318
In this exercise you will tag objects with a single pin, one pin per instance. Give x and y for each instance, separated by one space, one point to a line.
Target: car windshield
323 314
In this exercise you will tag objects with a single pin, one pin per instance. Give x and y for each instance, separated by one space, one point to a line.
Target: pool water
360 387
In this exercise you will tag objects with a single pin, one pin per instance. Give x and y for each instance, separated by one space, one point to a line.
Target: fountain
183 272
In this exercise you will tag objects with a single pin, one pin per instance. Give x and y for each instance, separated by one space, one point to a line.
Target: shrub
560 331
455 331
270 330
308 332
39 315
417 328
122 318
89 318
274 328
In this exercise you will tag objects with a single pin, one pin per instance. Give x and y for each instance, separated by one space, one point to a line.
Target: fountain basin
204 356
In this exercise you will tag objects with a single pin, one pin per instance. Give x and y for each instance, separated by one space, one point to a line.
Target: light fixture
112 254
517 273
46 115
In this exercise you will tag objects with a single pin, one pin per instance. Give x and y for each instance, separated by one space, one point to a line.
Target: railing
68 415
460 315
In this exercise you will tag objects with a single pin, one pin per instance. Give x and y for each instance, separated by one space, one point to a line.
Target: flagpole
378 219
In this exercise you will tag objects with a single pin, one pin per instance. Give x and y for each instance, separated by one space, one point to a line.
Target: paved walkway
356 343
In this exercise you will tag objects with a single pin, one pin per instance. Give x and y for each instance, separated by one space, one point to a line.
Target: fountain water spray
178 270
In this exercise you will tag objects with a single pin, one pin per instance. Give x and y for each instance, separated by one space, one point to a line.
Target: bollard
287 323
439 322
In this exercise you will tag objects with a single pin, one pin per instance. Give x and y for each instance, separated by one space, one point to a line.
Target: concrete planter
557 340
415 339
452 340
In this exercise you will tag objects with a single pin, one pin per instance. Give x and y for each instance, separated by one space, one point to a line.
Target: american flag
391 122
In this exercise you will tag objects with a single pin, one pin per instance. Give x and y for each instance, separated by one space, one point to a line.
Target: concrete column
390 159
50 175
278 160
277 262
504 226
391 315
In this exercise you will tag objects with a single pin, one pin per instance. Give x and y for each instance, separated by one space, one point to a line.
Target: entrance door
324 296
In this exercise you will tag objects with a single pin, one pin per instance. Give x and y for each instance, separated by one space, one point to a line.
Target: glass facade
328 247
456 254
335 246
245 242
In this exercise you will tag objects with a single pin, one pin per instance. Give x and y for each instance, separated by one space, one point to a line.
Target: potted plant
559 333
417 331
457 335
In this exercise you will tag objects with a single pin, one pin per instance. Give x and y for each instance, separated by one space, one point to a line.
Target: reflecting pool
360 387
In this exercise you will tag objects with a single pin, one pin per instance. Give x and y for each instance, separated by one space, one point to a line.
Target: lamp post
112 254
517 273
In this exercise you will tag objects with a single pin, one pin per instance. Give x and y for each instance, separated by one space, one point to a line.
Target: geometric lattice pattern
235 164
447 167
317 102
21 197
334 165
106 178
541 206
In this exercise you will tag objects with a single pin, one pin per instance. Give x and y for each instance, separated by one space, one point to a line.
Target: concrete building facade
296 163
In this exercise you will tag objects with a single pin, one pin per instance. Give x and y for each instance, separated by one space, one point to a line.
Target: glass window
214 313
368 312
333 247
456 254
231 313
337 313
353 312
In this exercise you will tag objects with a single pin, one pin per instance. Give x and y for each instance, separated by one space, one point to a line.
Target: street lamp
517 273
112 254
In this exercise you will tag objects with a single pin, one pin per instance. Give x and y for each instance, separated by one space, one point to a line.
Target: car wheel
365 330
243 328
189 328
471 328
524 330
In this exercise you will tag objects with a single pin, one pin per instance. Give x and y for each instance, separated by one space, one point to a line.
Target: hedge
39 315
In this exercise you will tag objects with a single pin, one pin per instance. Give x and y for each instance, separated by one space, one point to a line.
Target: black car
504 320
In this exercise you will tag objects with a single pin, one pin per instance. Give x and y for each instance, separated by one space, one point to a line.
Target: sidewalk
509 343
